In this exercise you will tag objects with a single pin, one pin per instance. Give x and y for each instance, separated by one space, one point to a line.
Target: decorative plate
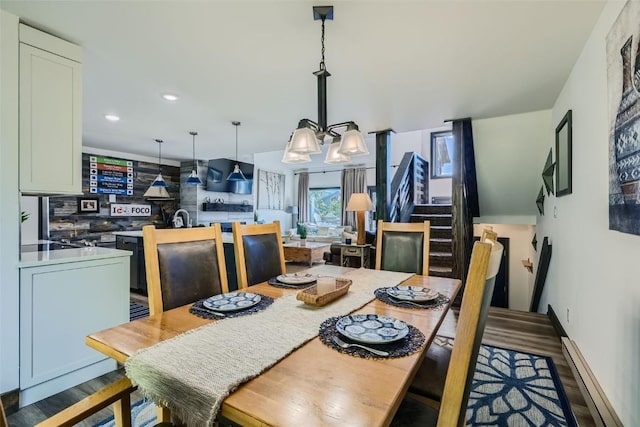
372 328
412 293
232 301
296 278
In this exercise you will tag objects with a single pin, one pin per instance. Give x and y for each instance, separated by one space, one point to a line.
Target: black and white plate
232 301
372 328
296 278
412 293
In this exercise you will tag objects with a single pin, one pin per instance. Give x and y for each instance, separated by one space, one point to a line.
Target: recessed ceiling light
170 97
111 117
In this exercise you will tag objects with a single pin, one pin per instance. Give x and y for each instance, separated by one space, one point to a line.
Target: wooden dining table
314 385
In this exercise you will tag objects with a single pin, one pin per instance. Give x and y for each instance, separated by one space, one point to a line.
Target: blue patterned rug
137 311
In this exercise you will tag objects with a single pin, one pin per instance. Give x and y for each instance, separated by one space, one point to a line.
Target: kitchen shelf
226 207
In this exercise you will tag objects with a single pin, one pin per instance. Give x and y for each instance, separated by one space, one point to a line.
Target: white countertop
226 237
61 256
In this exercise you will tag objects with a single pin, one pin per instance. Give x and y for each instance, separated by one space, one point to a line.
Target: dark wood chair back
259 252
183 265
485 262
403 247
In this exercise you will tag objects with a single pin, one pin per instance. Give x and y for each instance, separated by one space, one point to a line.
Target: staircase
440 245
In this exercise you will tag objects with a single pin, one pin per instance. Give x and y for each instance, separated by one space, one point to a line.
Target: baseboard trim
555 321
597 402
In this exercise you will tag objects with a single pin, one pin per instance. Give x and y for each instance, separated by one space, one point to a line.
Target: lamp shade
333 156
353 144
304 141
194 179
157 189
359 202
236 175
291 157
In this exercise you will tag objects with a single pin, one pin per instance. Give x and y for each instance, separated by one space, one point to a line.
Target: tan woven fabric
192 374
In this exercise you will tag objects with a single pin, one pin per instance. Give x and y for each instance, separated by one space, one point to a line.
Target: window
325 206
441 155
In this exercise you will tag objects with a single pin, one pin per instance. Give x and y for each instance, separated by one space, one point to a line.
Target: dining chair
404 247
183 265
451 394
258 251
3 416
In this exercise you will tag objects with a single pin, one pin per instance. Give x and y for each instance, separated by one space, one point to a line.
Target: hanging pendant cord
322 66
236 143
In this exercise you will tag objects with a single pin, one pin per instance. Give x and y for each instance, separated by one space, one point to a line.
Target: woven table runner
192 374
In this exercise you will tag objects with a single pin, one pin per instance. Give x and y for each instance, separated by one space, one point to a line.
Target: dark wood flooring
517 330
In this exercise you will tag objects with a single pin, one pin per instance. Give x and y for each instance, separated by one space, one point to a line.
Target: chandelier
310 135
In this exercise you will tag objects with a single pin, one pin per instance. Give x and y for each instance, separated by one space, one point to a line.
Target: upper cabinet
50 114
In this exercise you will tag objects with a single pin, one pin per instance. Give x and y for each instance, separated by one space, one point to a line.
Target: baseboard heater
598 404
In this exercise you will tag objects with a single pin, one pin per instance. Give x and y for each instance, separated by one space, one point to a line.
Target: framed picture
270 190
441 154
563 156
88 204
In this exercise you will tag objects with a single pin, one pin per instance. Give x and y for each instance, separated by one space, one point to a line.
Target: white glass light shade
290 157
352 144
333 156
304 141
359 202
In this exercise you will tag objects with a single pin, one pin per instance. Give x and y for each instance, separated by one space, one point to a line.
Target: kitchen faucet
177 220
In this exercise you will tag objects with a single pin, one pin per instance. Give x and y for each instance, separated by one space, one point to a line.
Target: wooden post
362 234
383 174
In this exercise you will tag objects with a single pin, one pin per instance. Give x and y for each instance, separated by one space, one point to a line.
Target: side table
354 251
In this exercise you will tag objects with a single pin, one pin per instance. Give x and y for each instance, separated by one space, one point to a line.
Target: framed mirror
563 156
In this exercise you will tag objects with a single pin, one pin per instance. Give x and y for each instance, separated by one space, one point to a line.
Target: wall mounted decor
547 173
540 201
270 190
623 77
563 156
88 204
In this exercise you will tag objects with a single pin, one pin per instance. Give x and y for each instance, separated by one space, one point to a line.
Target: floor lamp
359 203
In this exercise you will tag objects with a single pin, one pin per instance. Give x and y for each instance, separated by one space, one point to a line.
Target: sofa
317 233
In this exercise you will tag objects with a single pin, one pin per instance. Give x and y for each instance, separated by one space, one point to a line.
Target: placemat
277 284
201 311
440 302
404 347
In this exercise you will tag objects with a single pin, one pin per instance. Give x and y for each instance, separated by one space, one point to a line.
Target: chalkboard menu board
110 176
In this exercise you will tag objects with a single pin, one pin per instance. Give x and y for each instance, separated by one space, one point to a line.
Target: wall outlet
568 312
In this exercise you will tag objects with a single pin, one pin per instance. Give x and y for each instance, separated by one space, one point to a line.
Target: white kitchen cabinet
62 300
50 111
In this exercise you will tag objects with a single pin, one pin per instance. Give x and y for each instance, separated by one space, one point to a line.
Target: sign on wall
119 209
110 176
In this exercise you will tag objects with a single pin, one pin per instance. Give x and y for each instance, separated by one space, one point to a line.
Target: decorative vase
303 242
627 129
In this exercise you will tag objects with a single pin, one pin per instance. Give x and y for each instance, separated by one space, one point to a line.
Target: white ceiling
406 65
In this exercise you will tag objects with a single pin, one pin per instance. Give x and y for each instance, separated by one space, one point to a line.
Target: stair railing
410 186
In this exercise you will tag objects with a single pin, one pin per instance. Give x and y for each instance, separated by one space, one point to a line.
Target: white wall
10 207
271 161
593 271
520 248
510 154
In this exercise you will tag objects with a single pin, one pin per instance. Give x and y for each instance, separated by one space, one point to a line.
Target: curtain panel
303 197
354 180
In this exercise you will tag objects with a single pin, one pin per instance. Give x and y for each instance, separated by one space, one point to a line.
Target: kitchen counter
61 256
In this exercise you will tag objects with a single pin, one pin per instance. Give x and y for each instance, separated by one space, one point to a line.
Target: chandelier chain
322 66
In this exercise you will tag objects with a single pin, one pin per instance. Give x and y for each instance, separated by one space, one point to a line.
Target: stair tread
440 269
439 240
441 254
437 215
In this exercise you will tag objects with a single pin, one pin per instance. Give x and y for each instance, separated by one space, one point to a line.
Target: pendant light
309 135
194 179
237 174
158 188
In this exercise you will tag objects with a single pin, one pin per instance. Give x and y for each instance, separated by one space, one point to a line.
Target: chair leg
122 412
164 414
